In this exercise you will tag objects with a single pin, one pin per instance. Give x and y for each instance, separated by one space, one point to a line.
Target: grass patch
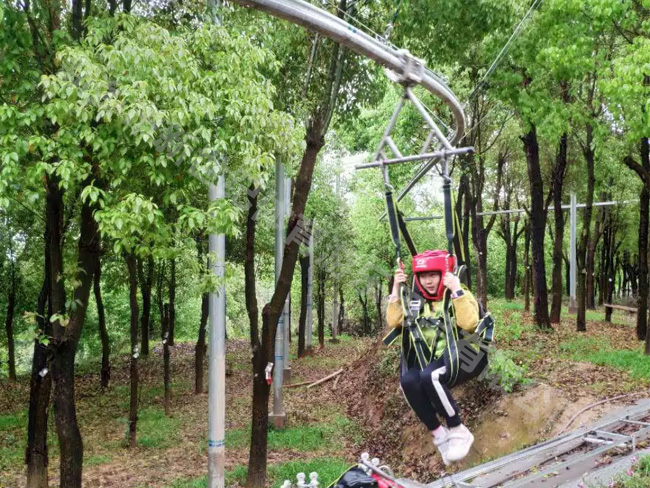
303 438
502 304
12 455
13 421
600 352
325 362
147 394
156 430
96 460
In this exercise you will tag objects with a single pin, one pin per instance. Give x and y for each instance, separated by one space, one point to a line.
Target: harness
462 349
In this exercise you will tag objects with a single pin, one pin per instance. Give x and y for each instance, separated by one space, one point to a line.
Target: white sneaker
459 442
442 443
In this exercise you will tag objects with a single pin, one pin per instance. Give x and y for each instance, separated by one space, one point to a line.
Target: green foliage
389 361
637 476
504 372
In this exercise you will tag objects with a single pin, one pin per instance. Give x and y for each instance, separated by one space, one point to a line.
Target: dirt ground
175 449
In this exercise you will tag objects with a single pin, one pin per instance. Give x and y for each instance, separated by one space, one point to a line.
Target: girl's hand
452 282
400 277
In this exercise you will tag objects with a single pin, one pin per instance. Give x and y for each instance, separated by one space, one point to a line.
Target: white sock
458 428
439 432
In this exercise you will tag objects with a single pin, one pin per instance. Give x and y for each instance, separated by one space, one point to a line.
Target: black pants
428 393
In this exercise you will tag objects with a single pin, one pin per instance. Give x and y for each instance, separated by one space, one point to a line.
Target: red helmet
433 261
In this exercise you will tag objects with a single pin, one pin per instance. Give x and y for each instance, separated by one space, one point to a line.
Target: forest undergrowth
329 425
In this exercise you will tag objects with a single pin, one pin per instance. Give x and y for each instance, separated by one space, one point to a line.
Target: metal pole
217 356
310 288
335 301
572 256
279 415
415 157
286 312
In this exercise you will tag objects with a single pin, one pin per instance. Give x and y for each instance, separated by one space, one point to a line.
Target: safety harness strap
405 234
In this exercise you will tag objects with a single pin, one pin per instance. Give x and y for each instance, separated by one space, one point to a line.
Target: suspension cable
503 51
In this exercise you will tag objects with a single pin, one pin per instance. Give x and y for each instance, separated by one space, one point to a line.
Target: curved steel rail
314 18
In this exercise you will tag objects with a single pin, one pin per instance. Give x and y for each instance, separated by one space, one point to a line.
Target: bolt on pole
217 355
279 415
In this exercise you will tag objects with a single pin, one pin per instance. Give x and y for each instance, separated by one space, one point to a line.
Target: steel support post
572 255
286 312
310 291
217 356
279 416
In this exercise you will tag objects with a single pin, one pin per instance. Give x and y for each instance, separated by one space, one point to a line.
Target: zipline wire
503 51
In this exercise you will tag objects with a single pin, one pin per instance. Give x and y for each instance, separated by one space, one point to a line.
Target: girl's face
430 281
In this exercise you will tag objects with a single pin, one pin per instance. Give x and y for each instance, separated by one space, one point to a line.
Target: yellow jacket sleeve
466 308
394 314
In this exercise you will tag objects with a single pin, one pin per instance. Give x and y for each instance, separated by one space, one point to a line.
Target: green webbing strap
405 233
392 221
457 230
450 331
392 336
449 219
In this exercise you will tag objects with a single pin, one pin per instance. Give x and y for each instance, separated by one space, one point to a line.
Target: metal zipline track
318 20
520 463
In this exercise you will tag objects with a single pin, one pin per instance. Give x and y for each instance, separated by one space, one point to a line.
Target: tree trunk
527 277
272 310
172 301
642 304
321 308
588 151
538 224
70 464
363 300
103 332
201 348
558 183
380 324
36 455
304 281
160 281
66 337
133 303
166 365
591 259
341 321
146 282
9 322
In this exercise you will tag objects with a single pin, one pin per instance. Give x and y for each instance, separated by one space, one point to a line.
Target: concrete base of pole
286 375
279 420
573 308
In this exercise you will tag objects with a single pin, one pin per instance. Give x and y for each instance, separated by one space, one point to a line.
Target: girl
427 390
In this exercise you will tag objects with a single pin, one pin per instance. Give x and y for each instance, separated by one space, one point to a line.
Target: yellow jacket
465 308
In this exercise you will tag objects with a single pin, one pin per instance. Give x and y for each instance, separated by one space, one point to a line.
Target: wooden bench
609 308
